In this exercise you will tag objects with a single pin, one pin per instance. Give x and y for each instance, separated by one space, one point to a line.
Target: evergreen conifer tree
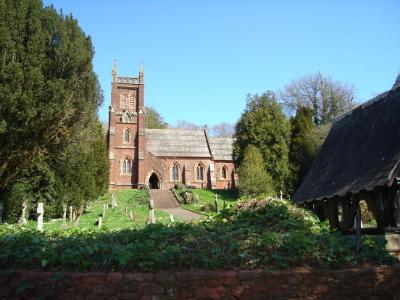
253 179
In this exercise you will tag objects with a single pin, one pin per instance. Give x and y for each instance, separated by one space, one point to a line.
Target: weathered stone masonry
381 282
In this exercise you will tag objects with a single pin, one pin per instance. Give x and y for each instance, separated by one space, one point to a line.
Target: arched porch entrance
154 181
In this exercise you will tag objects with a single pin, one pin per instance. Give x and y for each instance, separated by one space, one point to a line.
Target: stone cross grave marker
40 212
22 219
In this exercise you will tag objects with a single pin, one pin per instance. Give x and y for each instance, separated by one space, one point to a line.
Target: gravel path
181 213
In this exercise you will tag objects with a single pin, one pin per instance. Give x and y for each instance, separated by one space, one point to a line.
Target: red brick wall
381 282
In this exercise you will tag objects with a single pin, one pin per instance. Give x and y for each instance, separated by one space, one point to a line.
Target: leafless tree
223 130
183 124
327 98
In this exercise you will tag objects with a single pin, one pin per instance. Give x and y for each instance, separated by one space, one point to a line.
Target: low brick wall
381 282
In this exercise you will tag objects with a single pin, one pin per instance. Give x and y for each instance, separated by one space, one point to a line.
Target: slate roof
222 148
361 152
177 142
187 143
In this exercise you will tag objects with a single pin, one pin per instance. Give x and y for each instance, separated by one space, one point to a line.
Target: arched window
175 172
127 136
126 166
199 172
223 172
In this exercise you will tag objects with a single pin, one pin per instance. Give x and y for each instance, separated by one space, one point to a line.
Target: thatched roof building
361 153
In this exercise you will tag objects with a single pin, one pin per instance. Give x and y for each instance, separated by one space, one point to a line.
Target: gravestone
70 214
113 200
40 213
152 217
171 218
22 219
216 202
100 222
132 216
104 210
64 213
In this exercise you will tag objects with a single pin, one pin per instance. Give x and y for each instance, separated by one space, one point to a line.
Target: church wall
228 182
191 180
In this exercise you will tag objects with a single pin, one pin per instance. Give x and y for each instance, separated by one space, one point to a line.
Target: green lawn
115 218
207 197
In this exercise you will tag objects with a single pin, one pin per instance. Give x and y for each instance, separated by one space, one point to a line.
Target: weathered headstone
132 216
64 213
171 218
40 213
1 212
22 219
113 200
70 213
152 217
216 202
100 222
104 210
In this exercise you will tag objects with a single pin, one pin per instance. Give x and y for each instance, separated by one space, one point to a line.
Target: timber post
358 229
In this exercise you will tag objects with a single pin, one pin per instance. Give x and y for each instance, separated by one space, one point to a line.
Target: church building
160 158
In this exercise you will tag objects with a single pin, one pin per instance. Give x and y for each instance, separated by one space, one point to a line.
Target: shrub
179 186
188 197
209 207
253 179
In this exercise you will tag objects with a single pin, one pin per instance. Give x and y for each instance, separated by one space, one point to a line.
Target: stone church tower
126 136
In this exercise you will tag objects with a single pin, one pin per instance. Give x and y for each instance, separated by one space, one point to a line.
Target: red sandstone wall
191 163
222 183
367 283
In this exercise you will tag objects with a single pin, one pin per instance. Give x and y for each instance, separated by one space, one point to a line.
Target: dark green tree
253 179
264 125
303 146
49 95
154 119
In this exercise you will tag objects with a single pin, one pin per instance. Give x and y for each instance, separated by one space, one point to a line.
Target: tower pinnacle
141 73
114 70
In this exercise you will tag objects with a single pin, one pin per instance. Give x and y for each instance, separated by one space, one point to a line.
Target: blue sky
202 58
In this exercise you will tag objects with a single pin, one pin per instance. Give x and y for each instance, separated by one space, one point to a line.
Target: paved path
165 201
183 214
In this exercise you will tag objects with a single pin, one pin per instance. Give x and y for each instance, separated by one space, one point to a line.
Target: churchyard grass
115 218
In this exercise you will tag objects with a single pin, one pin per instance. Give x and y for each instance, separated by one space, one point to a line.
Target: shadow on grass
278 235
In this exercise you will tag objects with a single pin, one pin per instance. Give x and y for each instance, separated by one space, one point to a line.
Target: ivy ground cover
269 235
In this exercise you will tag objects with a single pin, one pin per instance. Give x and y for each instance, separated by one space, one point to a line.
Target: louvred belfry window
131 101
123 100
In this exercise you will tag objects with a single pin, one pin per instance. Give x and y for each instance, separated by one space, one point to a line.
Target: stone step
163 199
